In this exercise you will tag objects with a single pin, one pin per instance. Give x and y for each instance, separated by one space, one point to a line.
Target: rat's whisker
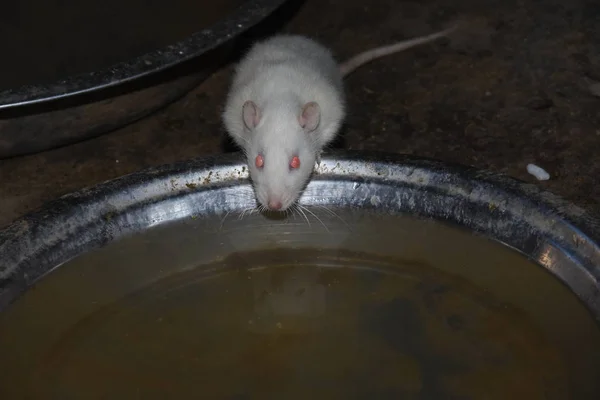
223 221
297 207
333 213
244 212
314 215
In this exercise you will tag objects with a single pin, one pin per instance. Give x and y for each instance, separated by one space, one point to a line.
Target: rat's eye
259 161
295 162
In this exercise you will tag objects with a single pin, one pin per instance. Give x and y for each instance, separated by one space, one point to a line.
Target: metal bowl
43 116
522 245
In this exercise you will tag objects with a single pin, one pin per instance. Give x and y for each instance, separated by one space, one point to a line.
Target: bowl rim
554 233
245 16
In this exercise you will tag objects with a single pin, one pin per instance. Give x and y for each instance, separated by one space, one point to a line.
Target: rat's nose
275 204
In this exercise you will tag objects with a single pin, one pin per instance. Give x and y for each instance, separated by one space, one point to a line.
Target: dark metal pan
61 98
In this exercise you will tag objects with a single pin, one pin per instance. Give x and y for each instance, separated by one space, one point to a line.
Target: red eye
259 161
295 163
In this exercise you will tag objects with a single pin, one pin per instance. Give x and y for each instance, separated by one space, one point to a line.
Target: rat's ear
250 114
310 117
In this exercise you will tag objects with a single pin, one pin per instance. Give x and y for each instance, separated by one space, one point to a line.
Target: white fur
280 75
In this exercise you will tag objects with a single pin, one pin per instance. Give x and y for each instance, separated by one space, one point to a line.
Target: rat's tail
360 59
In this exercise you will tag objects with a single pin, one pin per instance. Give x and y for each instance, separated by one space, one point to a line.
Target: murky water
449 316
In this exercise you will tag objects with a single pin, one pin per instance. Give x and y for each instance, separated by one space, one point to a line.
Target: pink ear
310 117
251 114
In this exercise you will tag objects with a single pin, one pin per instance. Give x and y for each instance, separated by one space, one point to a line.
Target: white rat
286 103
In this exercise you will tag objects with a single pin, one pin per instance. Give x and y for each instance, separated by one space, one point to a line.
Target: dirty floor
512 89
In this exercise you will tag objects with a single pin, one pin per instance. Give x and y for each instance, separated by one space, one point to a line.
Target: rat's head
281 150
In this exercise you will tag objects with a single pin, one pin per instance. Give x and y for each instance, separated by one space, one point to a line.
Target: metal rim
557 235
241 19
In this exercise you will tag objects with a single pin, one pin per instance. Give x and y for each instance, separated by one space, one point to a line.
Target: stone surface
510 90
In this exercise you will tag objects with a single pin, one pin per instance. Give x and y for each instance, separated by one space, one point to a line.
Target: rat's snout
275 204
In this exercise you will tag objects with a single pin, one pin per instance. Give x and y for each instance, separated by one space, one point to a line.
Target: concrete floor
511 90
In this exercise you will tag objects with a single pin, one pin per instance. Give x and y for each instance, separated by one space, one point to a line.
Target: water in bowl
254 309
